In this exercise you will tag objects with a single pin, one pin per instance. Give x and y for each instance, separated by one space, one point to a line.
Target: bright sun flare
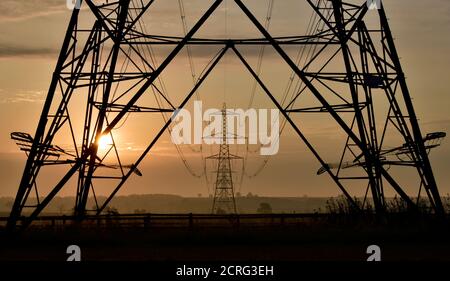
105 142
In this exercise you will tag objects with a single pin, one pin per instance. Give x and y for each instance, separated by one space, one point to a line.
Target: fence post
191 221
147 220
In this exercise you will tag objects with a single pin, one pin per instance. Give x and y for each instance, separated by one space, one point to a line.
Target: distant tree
447 202
140 211
238 194
220 211
9 204
199 195
264 208
111 211
61 208
249 195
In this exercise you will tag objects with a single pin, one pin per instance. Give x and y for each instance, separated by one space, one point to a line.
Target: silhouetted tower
224 199
347 69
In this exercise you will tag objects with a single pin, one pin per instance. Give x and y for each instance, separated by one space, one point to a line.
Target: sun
105 142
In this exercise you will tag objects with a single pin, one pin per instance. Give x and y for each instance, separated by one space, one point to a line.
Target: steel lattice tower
367 72
223 188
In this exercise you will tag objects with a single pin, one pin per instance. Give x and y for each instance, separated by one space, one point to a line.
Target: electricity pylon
352 63
224 199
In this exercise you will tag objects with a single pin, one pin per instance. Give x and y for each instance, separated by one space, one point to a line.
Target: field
274 237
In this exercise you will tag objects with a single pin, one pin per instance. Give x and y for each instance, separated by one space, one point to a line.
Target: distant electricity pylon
347 70
224 200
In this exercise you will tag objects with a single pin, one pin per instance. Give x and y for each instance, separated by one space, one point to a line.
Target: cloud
13 10
20 51
441 122
27 96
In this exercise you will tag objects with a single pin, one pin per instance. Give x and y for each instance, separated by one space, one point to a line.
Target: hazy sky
31 32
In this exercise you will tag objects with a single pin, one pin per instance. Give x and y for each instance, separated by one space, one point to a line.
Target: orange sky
31 33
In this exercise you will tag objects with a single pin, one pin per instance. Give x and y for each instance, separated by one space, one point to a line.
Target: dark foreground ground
272 239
